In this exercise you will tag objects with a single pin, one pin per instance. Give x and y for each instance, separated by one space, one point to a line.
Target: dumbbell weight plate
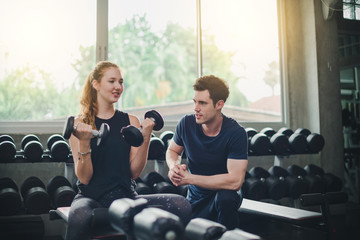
36 199
28 138
166 137
33 151
54 138
200 228
315 142
60 191
68 127
60 151
159 121
132 135
104 131
7 150
10 200
156 149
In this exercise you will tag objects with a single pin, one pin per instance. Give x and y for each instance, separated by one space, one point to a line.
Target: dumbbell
314 182
296 183
203 229
238 234
36 199
332 182
133 136
276 187
57 146
7 149
136 221
166 136
60 191
279 143
158 183
156 149
259 143
141 188
297 141
32 148
101 135
254 188
315 141
10 200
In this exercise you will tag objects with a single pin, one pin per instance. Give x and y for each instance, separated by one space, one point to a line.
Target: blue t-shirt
208 155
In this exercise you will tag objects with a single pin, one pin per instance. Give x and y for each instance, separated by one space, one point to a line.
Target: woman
106 172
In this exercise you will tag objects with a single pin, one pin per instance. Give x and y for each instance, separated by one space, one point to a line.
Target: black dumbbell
276 187
296 183
259 143
36 199
10 200
166 136
158 184
254 188
32 148
332 182
59 149
204 229
136 221
297 141
7 149
279 143
315 141
156 149
133 136
141 188
60 191
101 135
314 182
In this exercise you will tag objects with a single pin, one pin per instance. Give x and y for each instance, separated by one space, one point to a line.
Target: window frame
56 126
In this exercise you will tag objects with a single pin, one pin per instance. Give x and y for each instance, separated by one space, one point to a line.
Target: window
351 9
156 44
162 47
41 44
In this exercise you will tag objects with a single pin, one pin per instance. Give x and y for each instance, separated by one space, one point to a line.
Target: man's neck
213 128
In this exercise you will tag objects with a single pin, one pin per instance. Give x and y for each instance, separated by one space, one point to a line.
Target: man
216 148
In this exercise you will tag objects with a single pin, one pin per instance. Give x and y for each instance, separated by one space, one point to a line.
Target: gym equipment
156 149
157 224
59 149
10 200
122 213
314 182
203 229
166 136
101 135
296 184
36 199
332 182
254 188
158 183
315 141
259 143
297 141
276 187
181 190
133 136
141 188
238 234
7 149
60 191
279 143
32 148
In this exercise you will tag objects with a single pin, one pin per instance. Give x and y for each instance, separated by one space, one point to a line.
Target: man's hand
178 174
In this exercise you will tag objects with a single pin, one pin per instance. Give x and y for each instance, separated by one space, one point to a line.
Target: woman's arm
139 155
81 151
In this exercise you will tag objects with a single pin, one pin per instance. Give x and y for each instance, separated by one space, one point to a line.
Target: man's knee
228 199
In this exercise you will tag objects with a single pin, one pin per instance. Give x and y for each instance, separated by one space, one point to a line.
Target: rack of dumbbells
25 205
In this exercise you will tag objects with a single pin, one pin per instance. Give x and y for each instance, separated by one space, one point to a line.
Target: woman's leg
173 203
78 227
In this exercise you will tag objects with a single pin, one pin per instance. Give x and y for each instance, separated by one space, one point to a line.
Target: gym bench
100 223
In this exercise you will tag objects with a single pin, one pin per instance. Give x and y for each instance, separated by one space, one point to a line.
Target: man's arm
232 180
173 160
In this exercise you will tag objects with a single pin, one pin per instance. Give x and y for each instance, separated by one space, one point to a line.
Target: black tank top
111 167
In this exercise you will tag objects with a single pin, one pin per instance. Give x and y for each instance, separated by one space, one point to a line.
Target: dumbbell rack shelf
46 157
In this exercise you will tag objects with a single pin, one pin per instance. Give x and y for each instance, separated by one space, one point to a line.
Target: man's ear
220 104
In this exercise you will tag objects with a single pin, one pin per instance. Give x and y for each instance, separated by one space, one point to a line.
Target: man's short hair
217 87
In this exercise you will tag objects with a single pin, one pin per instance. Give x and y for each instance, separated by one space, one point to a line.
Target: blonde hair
88 102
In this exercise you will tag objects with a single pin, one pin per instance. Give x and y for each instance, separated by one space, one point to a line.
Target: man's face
205 111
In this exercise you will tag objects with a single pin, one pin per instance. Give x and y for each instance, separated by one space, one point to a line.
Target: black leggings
79 222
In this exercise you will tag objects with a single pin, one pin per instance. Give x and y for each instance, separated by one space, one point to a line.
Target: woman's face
110 87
